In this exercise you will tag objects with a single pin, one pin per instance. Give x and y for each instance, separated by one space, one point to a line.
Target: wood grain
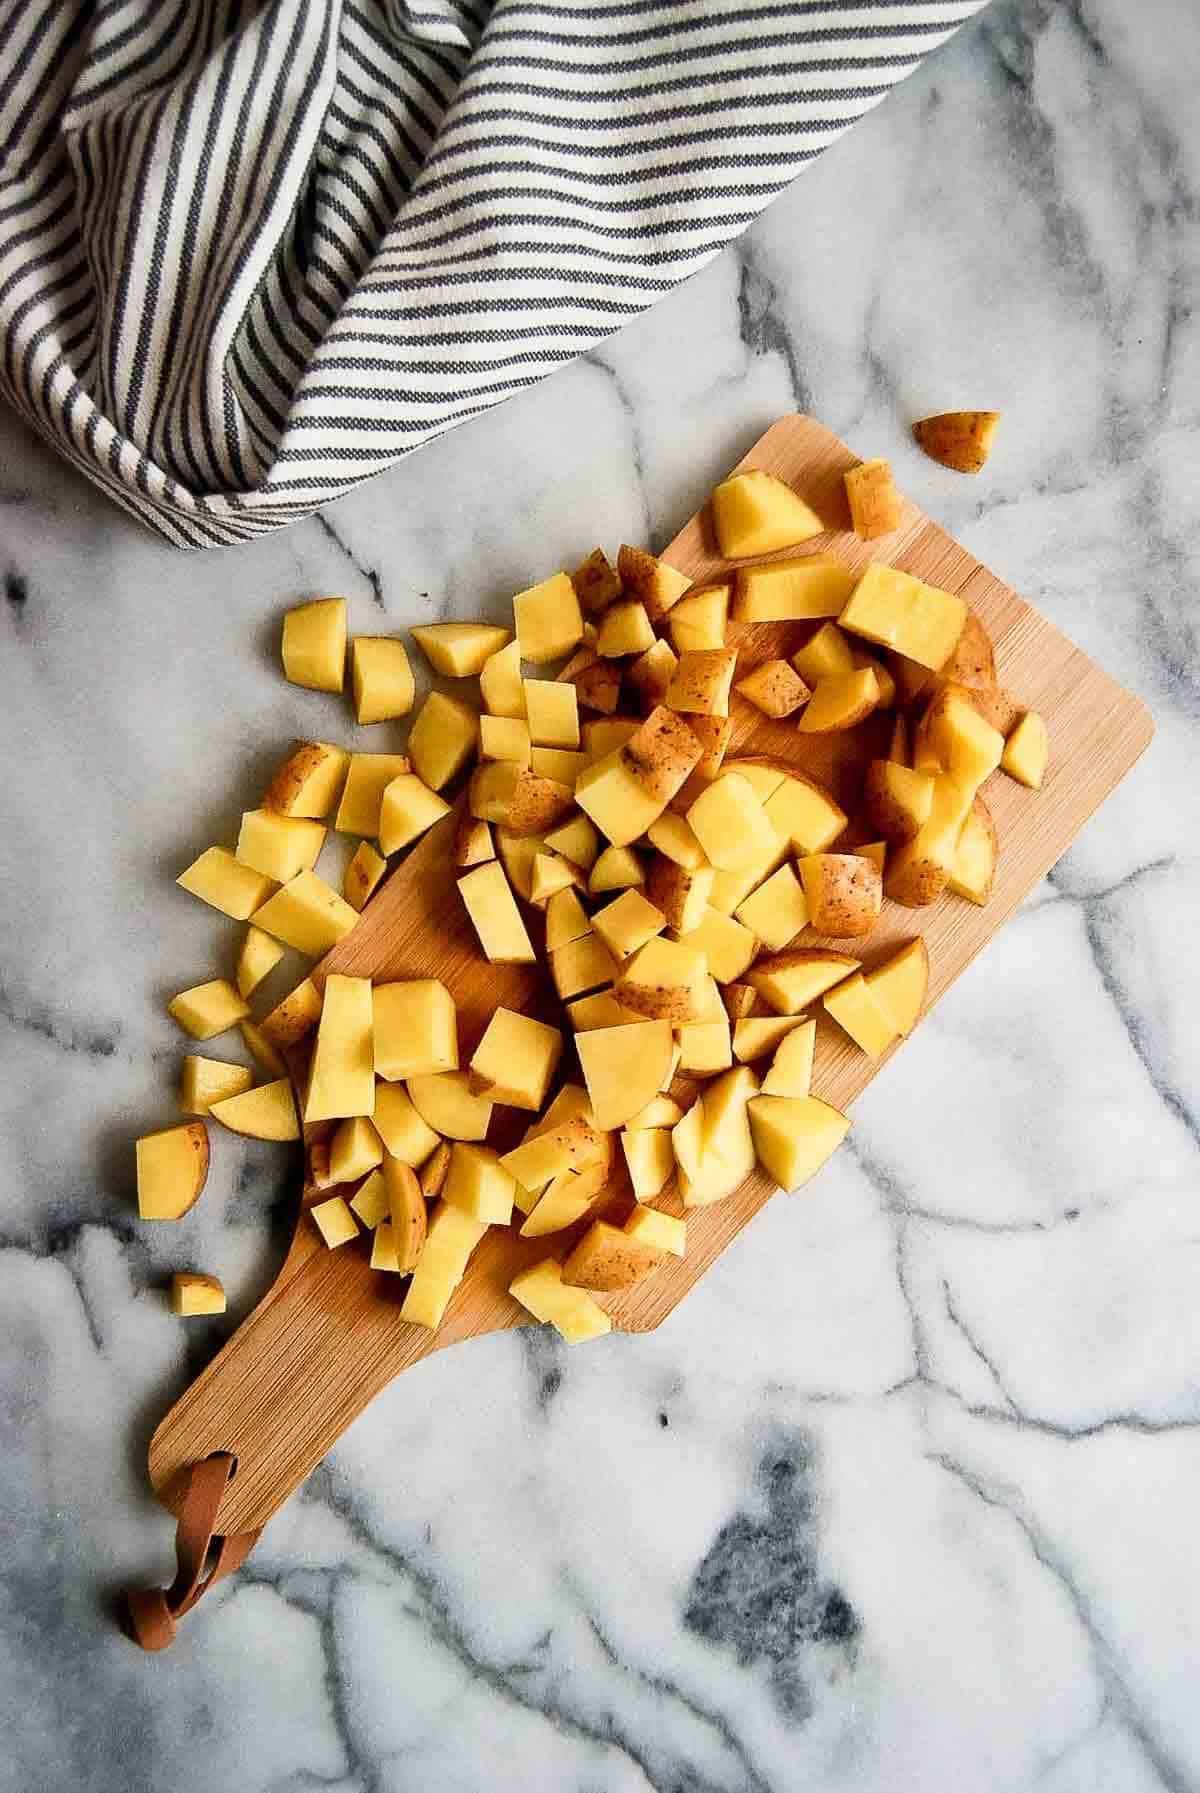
328 1335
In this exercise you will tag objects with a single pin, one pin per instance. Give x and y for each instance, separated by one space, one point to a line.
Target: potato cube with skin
576 840
596 581
478 1183
665 1232
655 584
334 1221
919 870
804 815
813 585
309 780
661 754
702 682
367 778
650 1160
597 683
363 875
433 1171
342 1077
408 810
354 1150
961 440
897 799
728 946
651 673
774 688
876 852
854 1008
520 799
755 513
500 683
665 979
206 1010
473 843
208 1080
776 911
404 1134
899 611
442 739
516 1059
494 914
279 846
615 799
624 1067
294 1016
755 1036
314 644
572 1312
714 734
553 711
788 982
876 507
705 1047
172 1169
564 1139
504 738
825 655
1026 751
581 965
407 1214
679 893
447 1103
953 733
565 920
739 1000
606 1258
841 702
307 914
451 1239
698 622
460 650
257 958
193 1293
266 1112
900 984
549 620
624 629
975 856
617 868
730 823
601 1009
790 1072
381 679
225 883
416 1029
565 1199
794 1137
844 893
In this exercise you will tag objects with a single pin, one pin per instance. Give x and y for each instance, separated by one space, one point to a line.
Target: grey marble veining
903 1497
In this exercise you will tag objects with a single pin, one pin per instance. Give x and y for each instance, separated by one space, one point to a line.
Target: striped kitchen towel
253 251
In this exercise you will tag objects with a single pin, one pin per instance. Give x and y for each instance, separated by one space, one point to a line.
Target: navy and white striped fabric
252 251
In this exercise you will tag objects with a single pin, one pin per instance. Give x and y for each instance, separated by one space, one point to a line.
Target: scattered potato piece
665 979
581 965
406 1206
460 650
208 1080
730 823
661 754
793 1138
854 1008
775 912
755 513
705 1047
844 893
728 946
257 958
804 814
415 1029
504 738
659 1112
367 778
790 1072
449 1242
559 764
602 735
754 1036
679 892
825 655
206 1010
774 688
478 1184
596 581
896 610
317 1172
919 870
601 1009
624 629
549 620
572 1312
354 1150
308 914
172 1169
278 846
551 875
610 792
497 920
363 875
515 1060
194 1293
565 1199
672 836
956 737
606 1258
628 922
564 1139
309 780
665 1232
789 981
381 679
698 622
500 683
334 1221
433 1171
553 711
293 1017
442 739
624 1067
655 584
617 868
383 1247
598 686
651 673
975 856
518 799
876 852
899 985
409 808
702 681
267 1112
314 644
840 702
876 507
341 1080
739 1000
576 840
814 585
403 1132
221 880
897 799
961 440
565 920
447 1104
1027 750
649 1158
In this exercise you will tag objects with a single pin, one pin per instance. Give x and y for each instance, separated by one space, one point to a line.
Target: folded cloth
253 251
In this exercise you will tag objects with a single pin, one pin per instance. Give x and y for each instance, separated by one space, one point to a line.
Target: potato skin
960 440
657 1002
668 886
662 753
845 894
998 708
291 777
701 681
598 685
537 804
596 582
643 576
884 811
913 881
606 1259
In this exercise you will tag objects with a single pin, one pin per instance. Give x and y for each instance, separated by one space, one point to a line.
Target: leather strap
153 1613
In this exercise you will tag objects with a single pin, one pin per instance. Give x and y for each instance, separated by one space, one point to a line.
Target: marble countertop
903 1497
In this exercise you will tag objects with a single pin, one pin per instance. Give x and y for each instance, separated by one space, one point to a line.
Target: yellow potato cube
580 965
790 1072
673 837
172 1169
840 702
599 1010
451 1238
416 1029
572 1312
220 879
596 581
651 673
265 1055
370 1202
843 891
662 1232
314 644
515 1059
504 738
900 983
558 763
606 1259
702 680
549 620
565 1199
813 585
650 1160
604 734
447 1103
794 1137
617 868
728 945
896 610
309 780
1027 750
206 1010
334 1221
616 800
975 856
294 1017
472 842
755 513
804 815
383 1244
409 808
627 923
355 1149
775 689
665 979
493 911
958 738
730 823
367 778
193 1293
268 1112
731 888
381 679
565 920
788 982
660 1111
208 1080
552 707
681 894
362 875
442 739
876 507
576 840
625 628
342 1078
855 1009
650 580
460 650
279 846
517 854
404 1134
257 957
776 911
705 1047
478 1184
552 875
500 683
825 655
754 1036
307 914
624 1068
698 622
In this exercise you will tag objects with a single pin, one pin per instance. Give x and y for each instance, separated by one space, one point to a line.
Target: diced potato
404 1134
899 748
627 923
363 875
679 893
317 1172
342 1078
876 507
665 979
406 1207
953 733
975 856
897 799
442 739
855 1009
660 1112
460 650
814 585
775 912
617 868
381 679
698 622
571 1312
753 1037
665 1232
825 655
650 1160
220 879
794 1137
840 702
266 1055
495 916
433 1171
705 1047
900 983
581 965
774 688
844 893
383 1246
704 1176
728 946
206 1010
565 920
790 1072
702 682
788 982
961 440
576 840
294 1017
314 644
673 837
517 855
551 876
447 1103
730 823
755 513
208 1080
565 1199
561 1141
478 1183
309 780
655 584
553 711
598 685
731 888
307 914
876 852
598 1010
1027 750
500 683
896 610
615 799
416 1029
624 629
651 673
257 958
451 1239
193 1293
408 810
367 778
172 1169
520 800
624 1067
596 581
515 1060
919 871
804 815
739 1000
279 846
334 1221
267 1112
561 765
606 1258
549 620
602 735
355 1150
504 738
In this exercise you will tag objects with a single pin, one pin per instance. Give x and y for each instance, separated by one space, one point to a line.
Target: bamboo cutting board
328 1335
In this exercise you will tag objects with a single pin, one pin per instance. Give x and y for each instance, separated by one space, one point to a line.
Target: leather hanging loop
203 1559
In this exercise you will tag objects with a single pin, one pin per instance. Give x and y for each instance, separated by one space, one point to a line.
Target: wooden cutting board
328 1335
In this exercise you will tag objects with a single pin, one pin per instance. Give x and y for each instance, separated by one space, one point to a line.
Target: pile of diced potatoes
601 830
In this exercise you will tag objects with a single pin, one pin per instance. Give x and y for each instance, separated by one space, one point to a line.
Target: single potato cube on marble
367 778
279 846
334 1221
193 1293
172 1169
314 644
381 679
516 1059
460 650
755 513
208 1009
208 1080
960 440
309 781
220 879
549 620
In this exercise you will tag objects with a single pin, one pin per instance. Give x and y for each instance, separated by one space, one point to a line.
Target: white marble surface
903 1497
